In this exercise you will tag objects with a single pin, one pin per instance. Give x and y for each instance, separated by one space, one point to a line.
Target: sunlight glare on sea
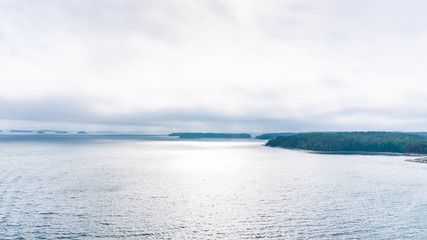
128 187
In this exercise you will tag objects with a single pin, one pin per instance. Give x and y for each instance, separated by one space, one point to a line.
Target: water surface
87 187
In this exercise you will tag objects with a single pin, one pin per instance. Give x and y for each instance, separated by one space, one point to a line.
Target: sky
213 65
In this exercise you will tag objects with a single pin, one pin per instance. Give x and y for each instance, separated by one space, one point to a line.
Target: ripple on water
204 190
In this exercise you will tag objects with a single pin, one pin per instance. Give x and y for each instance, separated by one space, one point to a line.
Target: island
192 135
21 131
51 131
81 132
355 142
275 135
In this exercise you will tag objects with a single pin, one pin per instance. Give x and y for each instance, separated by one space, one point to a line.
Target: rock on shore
418 160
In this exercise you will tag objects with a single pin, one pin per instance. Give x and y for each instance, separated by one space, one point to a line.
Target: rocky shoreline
418 160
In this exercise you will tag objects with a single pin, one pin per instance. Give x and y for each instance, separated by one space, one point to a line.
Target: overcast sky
214 65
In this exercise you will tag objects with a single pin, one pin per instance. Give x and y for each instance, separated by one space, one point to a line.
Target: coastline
352 152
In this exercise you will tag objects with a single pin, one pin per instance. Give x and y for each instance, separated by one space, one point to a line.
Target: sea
65 186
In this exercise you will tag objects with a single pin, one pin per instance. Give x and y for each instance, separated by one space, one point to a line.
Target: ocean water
145 187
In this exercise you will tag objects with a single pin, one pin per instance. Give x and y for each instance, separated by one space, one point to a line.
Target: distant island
21 131
267 136
51 131
209 135
82 132
275 135
380 142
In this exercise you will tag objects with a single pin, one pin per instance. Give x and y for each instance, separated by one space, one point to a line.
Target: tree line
393 142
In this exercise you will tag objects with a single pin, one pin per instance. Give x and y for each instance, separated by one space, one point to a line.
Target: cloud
72 114
270 65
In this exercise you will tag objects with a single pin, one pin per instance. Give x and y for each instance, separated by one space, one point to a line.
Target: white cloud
305 62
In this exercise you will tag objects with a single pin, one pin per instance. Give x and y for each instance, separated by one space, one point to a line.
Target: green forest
274 135
391 142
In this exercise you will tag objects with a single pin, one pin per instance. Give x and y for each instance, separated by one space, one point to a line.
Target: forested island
267 136
380 142
210 135
275 135
51 131
21 131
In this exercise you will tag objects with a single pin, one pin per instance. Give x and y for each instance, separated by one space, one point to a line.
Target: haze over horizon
224 66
